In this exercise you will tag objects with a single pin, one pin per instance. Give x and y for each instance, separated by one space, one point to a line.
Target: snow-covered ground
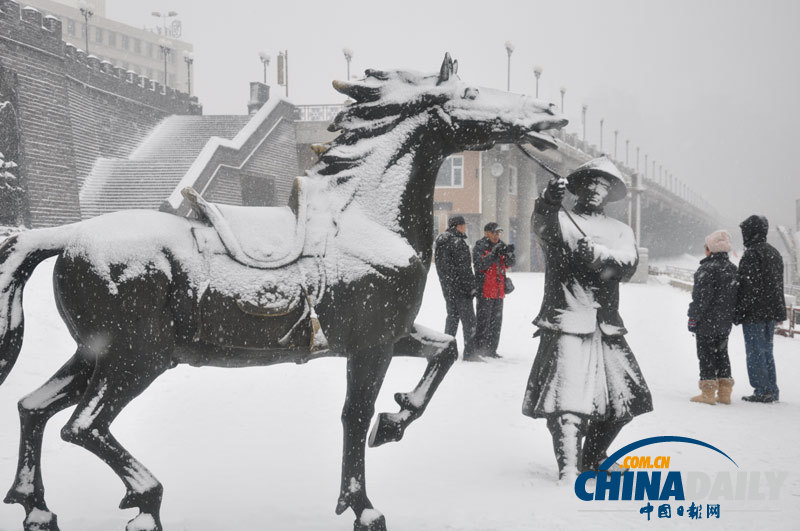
260 449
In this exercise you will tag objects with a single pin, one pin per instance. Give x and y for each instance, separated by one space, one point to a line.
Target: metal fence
317 113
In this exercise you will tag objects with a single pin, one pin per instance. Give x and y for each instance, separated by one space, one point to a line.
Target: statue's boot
599 436
567 432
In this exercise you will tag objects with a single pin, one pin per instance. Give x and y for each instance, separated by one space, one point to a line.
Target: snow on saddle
260 237
276 311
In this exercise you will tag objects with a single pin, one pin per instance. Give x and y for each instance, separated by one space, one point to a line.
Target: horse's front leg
442 352
365 372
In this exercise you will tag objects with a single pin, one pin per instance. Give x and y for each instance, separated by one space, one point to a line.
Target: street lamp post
627 140
601 134
188 57
583 118
164 16
348 56
563 91
637 159
165 51
264 57
510 50
645 165
87 14
537 71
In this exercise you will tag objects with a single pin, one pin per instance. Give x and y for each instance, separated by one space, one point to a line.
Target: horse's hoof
39 520
144 522
389 428
370 520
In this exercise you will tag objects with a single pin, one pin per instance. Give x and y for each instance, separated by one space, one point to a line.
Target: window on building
125 41
512 180
451 173
112 39
137 46
98 35
149 49
70 27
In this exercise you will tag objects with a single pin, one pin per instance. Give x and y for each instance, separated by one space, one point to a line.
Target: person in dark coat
585 380
491 258
711 314
454 267
760 305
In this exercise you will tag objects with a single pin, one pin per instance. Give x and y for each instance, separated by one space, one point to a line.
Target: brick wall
71 110
277 160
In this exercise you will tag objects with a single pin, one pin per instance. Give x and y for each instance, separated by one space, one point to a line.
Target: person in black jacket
760 304
491 258
711 318
454 267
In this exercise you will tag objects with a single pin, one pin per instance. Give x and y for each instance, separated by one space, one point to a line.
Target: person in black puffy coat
760 305
454 267
711 315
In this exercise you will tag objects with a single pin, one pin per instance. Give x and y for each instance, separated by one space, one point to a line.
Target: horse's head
467 117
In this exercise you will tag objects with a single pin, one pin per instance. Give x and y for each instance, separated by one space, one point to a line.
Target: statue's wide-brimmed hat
599 167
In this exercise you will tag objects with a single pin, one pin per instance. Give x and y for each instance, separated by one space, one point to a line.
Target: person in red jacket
491 258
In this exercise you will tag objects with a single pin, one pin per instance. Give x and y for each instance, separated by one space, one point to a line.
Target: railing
317 113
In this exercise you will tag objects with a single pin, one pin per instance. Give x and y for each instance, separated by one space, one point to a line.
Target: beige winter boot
707 390
725 386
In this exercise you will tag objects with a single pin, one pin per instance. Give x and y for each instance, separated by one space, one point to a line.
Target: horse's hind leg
120 376
61 391
366 370
442 352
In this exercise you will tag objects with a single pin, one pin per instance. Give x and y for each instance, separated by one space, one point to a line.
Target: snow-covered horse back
140 294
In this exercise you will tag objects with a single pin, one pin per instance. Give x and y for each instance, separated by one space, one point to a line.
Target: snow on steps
154 168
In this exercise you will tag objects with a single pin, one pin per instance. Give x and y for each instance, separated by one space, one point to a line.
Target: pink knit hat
719 242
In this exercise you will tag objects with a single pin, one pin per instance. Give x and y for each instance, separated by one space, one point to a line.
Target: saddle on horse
278 311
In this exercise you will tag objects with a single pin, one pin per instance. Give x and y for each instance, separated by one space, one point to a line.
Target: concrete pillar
642 270
488 189
501 194
525 195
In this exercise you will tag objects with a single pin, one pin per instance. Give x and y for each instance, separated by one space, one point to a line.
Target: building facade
135 49
60 111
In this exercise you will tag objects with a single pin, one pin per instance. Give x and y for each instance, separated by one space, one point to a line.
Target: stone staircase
152 171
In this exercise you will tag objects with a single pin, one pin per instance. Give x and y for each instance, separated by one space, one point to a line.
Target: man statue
454 267
585 380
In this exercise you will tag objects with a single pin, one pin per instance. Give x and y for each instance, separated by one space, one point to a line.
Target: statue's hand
556 190
586 249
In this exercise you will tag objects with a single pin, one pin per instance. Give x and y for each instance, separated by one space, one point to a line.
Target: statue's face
594 193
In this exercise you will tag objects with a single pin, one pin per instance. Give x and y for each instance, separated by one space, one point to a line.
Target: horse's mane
379 103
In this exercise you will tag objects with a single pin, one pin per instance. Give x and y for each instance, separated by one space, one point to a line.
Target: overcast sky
710 89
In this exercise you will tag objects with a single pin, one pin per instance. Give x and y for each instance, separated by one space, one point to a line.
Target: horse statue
339 272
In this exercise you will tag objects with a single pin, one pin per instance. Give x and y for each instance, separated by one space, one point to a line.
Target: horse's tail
19 256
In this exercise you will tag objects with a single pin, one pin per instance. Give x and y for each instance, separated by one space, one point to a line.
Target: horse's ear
446 70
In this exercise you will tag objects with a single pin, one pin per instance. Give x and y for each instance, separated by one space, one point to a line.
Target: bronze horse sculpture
137 289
